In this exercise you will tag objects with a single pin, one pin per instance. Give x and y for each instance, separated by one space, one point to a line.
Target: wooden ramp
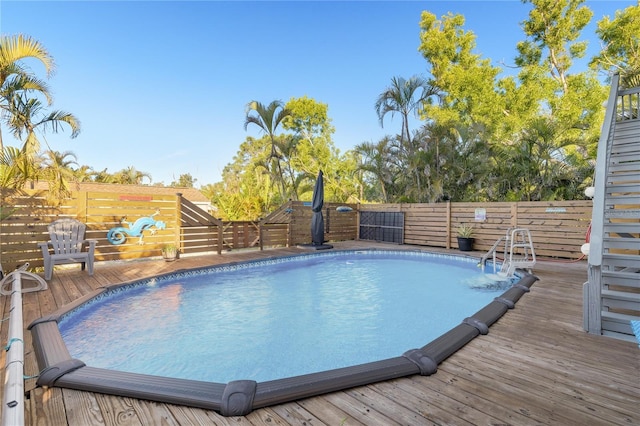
536 366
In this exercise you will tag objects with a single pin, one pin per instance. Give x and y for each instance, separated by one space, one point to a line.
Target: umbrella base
315 246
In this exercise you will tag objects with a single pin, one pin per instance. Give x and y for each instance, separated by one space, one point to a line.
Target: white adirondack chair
67 245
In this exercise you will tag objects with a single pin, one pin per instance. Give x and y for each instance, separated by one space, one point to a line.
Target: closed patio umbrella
317 220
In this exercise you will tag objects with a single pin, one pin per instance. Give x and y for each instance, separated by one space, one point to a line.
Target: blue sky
162 86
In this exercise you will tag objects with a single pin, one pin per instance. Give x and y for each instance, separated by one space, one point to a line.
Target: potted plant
169 252
465 239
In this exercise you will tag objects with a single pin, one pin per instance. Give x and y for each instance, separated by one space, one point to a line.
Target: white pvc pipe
13 401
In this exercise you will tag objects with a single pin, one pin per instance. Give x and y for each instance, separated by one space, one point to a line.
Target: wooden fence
558 228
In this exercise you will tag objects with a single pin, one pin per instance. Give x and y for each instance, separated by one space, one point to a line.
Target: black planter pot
465 244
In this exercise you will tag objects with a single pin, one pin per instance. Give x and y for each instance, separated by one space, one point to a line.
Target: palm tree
377 160
131 176
268 118
84 173
401 97
16 78
104 176
405 97
16 169
27 115
58 171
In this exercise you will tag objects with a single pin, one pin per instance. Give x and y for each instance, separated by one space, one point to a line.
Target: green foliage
131 176
184 181
23 112
465 230
553 29
465 81
269 171
621 51
307 118
483 136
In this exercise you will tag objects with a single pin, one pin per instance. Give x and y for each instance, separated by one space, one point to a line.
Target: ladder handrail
492 251
513 238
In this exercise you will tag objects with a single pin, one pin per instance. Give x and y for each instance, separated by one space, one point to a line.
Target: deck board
536 366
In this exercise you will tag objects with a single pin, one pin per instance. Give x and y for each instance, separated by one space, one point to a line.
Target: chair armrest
92 245
45 247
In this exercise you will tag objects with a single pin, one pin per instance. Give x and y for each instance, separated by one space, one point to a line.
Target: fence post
514 215
291 224
220 236
82 202
260 235
177 218
448 243
357 222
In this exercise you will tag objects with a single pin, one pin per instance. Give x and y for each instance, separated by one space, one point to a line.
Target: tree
569 110
246 191
84 173
23 111
307 118
28 115
621 50
104 176
554 27
377 161
131 176
311 149
16 169
58 172
15 77
184 181
268 118
404 97
467 83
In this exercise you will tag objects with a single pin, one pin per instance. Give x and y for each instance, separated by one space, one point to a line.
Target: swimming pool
239 397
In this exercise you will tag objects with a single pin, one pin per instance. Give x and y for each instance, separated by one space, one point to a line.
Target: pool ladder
518 253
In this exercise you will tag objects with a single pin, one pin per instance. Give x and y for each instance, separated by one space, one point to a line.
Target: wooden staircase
612 292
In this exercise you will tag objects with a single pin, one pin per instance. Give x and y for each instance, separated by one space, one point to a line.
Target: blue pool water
273 319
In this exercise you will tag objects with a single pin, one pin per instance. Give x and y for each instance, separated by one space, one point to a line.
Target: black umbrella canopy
317 221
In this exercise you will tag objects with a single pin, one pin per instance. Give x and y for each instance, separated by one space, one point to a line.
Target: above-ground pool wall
240 397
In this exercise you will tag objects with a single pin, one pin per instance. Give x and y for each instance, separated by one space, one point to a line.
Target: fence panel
144 221
338 225
274 235
558 228
240 234
426 224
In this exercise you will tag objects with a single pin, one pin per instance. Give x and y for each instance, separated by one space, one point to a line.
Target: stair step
619 323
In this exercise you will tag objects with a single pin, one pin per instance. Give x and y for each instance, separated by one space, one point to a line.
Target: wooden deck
536 366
